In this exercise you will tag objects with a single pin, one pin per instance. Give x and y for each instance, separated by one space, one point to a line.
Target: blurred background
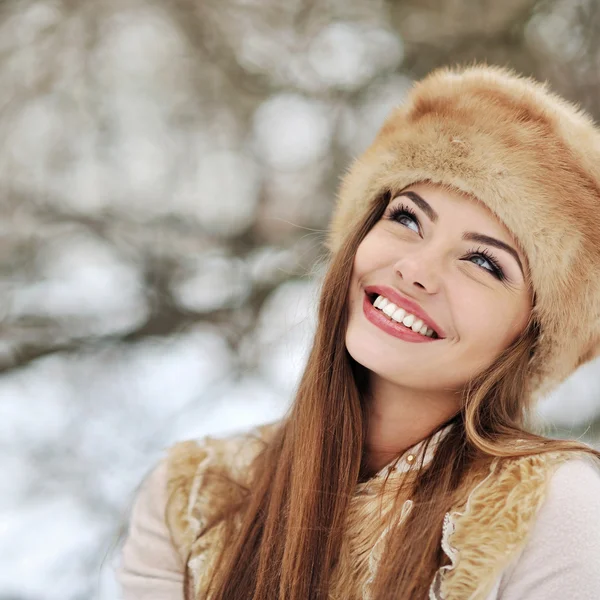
167 171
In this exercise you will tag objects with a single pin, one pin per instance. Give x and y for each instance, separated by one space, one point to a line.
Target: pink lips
398 330
412 307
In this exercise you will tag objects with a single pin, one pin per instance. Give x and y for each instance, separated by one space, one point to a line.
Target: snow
78 433
292 131
83 282
361 122
285 332
348 55
559 32
47 543
222 191
137 43
576 401
45 395
237 406
212 282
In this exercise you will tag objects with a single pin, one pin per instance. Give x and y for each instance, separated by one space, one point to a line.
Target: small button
410 458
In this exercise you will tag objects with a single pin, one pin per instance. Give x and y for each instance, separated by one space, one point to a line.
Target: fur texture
185 460
533 159
204 479
491 522
495 524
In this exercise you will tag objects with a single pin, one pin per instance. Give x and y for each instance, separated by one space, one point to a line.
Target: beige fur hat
533 159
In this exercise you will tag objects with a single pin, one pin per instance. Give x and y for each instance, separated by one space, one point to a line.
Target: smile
401 326
400 315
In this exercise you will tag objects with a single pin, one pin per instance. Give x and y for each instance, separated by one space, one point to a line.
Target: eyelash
401 210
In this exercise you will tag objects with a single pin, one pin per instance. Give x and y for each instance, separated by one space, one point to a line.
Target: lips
402 302
391 327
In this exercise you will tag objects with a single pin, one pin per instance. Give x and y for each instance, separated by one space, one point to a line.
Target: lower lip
392 327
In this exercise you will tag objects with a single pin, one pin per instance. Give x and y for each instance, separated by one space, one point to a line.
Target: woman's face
444 258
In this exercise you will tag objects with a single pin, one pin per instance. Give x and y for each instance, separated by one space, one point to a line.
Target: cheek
492 322
371 255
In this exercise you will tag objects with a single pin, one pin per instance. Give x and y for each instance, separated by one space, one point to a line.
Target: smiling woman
422 262
461 287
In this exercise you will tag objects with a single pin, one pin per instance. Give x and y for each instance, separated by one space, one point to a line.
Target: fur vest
481 535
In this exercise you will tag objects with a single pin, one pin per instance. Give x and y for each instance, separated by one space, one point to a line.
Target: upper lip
409 305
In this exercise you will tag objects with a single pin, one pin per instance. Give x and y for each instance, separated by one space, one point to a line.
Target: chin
403 371
383 365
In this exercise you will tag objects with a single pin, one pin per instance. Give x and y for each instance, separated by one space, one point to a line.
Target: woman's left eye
487 261
483 262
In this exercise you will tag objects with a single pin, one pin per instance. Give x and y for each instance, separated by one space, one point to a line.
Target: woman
464 282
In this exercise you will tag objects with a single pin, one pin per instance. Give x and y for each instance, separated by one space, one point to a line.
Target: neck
399 418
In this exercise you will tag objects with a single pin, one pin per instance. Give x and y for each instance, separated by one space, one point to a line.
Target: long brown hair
292 517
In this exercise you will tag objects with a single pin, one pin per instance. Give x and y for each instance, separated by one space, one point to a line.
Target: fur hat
533 159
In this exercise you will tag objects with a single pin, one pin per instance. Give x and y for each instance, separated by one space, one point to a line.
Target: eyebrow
467 235
490 241
424 206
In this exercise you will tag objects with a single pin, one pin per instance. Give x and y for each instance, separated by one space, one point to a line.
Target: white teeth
408 320
416 326
389 309
401 316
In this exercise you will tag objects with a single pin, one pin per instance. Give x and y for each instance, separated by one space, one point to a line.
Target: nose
421 269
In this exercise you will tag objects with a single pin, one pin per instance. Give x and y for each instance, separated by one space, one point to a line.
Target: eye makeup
400 211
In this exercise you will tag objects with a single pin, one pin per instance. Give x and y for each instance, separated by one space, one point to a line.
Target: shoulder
233 452
568 517
150 566
575 483
204 476
571 510
562 551
510 521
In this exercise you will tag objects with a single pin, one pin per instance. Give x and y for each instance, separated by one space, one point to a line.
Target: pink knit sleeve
151 568
562 556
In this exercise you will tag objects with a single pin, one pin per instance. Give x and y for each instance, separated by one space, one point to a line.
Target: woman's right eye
405 216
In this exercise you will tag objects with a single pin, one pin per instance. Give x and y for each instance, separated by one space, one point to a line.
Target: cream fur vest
480 536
